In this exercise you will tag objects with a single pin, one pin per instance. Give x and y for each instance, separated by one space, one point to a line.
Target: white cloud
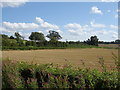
109 0
101 32
118 10
40 31
20 26
59 31
12 3
40 25
96 10
79 31
2 29
115 37
116 16
108 11
73 26
39 20
107 34
113 27
114 34
74 32
25 35
96 25
47 26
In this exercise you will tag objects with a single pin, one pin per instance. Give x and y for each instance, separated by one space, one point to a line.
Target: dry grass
65 56
109 45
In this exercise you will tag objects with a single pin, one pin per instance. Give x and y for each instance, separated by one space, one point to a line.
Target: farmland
74 57
109 45
36 70
59 45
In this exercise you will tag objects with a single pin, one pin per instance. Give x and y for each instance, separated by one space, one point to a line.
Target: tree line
37 39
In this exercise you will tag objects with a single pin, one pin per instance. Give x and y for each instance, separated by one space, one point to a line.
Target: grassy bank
24 75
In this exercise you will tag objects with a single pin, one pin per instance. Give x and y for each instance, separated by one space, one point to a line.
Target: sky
73 20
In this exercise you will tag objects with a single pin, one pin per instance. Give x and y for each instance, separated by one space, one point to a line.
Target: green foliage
29 48
9 42
10 75
53 36
92 41
4 36
36 36
19 39
39 42
18 36
117 41
30 43
24 75
11 37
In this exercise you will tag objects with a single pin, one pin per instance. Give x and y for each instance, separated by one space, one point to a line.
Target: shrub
24 75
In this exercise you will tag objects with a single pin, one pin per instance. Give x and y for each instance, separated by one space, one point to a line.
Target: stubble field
82 58
109 45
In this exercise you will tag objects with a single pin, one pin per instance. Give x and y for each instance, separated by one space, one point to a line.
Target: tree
9 42
93 41
117 41
3 36
11 37
18 36
53 36
36 36
19 39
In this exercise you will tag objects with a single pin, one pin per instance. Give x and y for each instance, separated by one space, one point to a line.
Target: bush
24 75
9 42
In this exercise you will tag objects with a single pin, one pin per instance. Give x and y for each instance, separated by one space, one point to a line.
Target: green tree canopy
3 36
36 36
117 41
93 41
18 36
11 37
53 36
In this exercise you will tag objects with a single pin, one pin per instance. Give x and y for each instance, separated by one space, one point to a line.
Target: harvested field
109 45
75 57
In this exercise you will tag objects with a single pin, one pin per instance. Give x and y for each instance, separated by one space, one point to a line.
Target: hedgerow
24 75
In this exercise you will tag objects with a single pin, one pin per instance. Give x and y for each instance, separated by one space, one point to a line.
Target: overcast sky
73 20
